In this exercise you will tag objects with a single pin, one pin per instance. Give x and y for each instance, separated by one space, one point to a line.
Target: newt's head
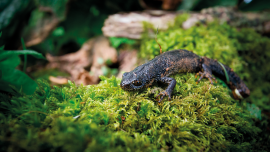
130 82
241 91
135 80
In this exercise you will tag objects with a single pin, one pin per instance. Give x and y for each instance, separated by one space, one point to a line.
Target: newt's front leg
171 84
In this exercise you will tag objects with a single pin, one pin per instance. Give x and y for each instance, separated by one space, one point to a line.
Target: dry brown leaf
90 54
81 58
42 30
102 52
74 63
58 80
170 4
81 76
128 60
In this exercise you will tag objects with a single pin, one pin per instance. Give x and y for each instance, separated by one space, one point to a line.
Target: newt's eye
125 74
137 83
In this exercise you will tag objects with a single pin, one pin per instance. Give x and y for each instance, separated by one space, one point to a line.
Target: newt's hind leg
207 73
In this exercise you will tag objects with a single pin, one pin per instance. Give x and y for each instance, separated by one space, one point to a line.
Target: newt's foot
205 75
163 94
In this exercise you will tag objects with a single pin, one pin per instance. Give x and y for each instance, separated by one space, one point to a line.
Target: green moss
105 117
212 41
244 50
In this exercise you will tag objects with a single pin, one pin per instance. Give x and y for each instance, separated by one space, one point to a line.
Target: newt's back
176 61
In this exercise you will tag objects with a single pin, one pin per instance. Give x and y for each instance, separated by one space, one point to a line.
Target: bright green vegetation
116 42
9 60
199 117
244 50
213 41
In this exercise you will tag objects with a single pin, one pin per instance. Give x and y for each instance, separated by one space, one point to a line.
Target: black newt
180 61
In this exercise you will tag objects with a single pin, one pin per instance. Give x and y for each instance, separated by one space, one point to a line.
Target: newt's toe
163 94
205 75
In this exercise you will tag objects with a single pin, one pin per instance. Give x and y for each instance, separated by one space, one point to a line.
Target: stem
25 56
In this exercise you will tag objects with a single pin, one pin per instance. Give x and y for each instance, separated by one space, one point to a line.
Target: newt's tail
238 87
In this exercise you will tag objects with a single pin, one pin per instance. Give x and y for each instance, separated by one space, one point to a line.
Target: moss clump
104 116
244 50
212 41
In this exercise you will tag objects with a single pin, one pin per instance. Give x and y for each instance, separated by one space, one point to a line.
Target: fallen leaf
89 59
75 63
102 52
58 80
128 60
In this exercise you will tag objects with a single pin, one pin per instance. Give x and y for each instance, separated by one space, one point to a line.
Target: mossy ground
104 117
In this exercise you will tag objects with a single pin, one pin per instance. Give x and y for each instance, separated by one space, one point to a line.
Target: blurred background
60 27
80 40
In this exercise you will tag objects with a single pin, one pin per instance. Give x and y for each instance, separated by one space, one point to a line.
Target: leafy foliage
116 42
9 60
12 14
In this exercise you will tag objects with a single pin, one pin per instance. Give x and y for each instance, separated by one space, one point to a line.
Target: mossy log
130 24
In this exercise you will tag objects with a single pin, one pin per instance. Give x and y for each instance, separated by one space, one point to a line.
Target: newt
181 61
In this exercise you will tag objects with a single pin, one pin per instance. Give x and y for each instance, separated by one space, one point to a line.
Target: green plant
116 42
9 60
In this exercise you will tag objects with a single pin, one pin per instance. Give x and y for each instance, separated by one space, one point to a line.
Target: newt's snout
126 85
123 85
